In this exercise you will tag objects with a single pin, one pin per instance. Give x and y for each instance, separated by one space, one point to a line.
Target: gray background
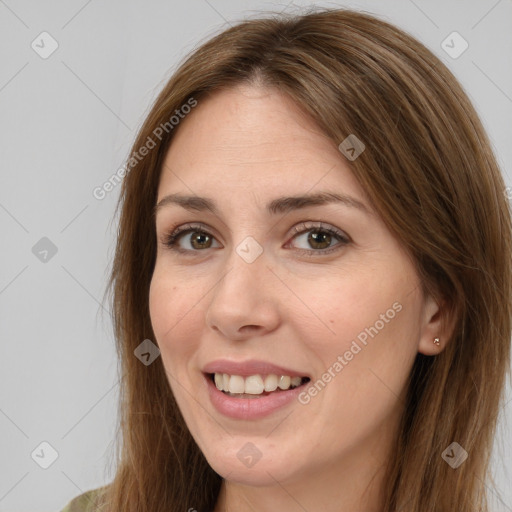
66 125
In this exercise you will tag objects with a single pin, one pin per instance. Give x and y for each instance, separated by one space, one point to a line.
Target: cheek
342 310
176 317
373 335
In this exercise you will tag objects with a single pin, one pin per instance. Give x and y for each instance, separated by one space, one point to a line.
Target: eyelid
176 230
303 227
170 238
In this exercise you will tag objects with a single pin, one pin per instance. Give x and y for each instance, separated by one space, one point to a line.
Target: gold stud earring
436 341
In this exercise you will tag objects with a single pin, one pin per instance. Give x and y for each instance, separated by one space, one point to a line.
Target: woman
312 281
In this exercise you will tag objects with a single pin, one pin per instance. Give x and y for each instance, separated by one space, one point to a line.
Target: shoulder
86 502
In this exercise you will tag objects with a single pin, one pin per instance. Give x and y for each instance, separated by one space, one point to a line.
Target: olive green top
86 502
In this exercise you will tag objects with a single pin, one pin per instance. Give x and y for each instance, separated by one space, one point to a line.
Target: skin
243 147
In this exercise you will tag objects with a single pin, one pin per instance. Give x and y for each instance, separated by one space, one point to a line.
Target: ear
437 321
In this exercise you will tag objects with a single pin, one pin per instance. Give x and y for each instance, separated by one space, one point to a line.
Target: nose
244 302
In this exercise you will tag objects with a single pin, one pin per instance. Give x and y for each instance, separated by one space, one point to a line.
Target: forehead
249 139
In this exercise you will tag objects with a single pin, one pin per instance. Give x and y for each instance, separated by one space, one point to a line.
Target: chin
256 472
257 476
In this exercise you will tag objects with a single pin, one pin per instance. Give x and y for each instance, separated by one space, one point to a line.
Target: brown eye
196 236
202 239
199 239
320 238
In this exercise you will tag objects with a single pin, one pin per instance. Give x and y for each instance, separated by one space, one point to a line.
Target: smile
255 385
263 395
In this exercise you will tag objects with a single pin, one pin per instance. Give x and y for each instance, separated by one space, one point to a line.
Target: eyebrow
280 205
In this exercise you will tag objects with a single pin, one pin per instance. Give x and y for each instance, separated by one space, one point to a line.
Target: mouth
254 396
255 386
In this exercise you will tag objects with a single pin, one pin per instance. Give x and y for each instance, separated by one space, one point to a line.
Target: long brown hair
429 171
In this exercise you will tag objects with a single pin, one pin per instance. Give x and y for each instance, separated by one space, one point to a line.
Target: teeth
236 384
270 382
254 384
284 382
295 381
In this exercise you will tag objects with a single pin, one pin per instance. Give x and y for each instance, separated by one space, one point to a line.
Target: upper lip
250 367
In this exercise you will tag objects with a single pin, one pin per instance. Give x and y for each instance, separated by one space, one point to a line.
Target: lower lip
250 408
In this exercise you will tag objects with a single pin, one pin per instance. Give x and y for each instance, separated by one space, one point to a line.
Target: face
322 290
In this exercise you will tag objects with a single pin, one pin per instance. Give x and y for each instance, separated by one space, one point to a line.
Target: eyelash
170 240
